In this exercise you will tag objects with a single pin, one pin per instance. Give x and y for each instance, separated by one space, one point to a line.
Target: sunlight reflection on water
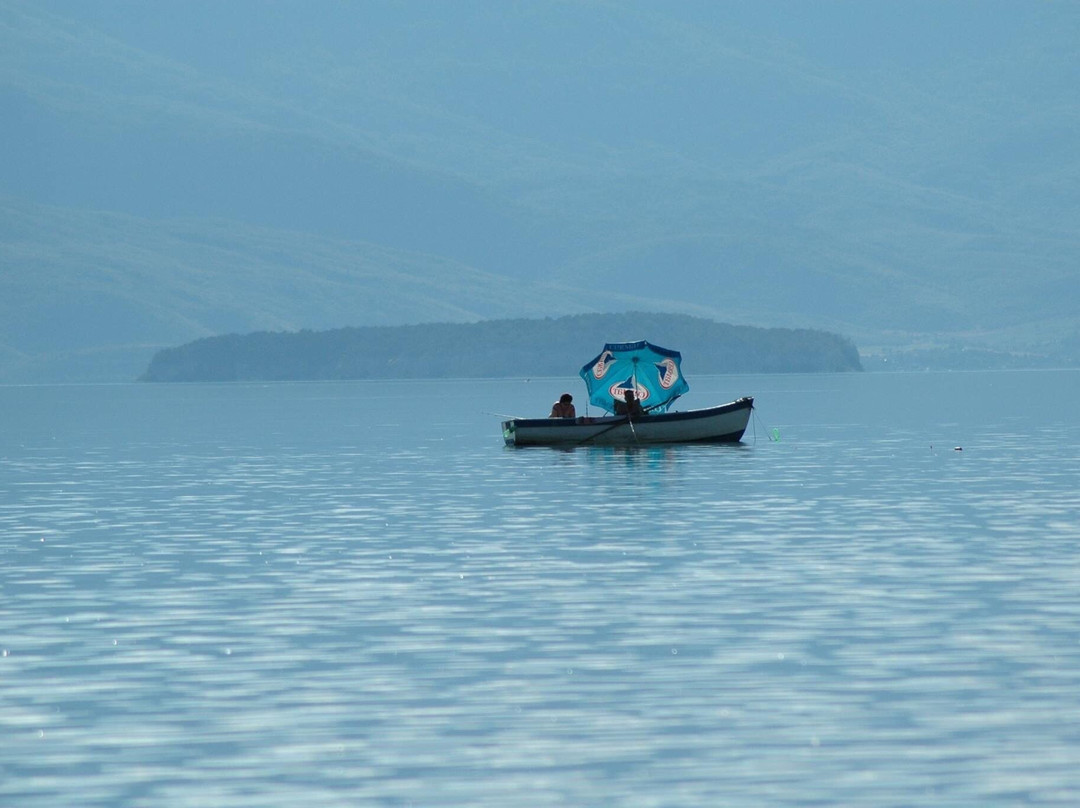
203 607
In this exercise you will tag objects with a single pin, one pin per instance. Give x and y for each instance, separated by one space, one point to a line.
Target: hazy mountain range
903 173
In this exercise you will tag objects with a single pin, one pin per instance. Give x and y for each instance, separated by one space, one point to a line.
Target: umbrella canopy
652 372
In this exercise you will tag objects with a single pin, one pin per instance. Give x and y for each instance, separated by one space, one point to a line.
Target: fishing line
773 433
503 415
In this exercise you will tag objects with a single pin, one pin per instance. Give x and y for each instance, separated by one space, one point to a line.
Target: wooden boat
723 424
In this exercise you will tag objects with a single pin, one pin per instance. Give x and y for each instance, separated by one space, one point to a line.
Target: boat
723 424
636 383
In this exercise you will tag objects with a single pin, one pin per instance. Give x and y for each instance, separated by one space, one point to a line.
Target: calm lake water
354 594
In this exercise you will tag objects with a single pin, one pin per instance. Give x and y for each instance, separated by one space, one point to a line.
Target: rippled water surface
353 594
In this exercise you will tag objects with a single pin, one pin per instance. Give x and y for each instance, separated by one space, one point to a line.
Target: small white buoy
958 448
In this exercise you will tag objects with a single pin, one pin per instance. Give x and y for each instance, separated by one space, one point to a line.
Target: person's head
630 395
565 398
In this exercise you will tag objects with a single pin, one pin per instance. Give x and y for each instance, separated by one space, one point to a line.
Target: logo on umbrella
602 364
619 390
669 373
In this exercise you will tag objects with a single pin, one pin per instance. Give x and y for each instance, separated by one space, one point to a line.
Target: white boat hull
723 424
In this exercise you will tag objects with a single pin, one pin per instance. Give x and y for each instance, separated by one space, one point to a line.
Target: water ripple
849 618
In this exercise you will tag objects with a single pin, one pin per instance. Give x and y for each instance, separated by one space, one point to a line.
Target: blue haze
901 173
353 594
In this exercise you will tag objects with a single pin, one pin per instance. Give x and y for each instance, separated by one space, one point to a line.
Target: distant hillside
905 174
496 348
90 295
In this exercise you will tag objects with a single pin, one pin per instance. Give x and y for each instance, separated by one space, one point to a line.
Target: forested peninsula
497 349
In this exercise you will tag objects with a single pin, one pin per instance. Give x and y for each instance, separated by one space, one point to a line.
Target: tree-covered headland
497 349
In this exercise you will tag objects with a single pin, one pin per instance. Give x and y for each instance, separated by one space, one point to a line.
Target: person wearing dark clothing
629 406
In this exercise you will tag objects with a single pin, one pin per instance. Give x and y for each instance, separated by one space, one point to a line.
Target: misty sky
902 173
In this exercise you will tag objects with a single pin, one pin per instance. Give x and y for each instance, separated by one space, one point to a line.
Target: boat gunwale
746 402
521 432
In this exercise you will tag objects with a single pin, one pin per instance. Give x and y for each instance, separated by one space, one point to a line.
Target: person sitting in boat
629 406
564 407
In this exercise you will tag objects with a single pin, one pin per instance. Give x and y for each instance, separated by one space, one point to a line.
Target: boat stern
508 430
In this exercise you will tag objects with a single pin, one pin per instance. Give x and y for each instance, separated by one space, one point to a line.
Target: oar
665 403
625 420
620 422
